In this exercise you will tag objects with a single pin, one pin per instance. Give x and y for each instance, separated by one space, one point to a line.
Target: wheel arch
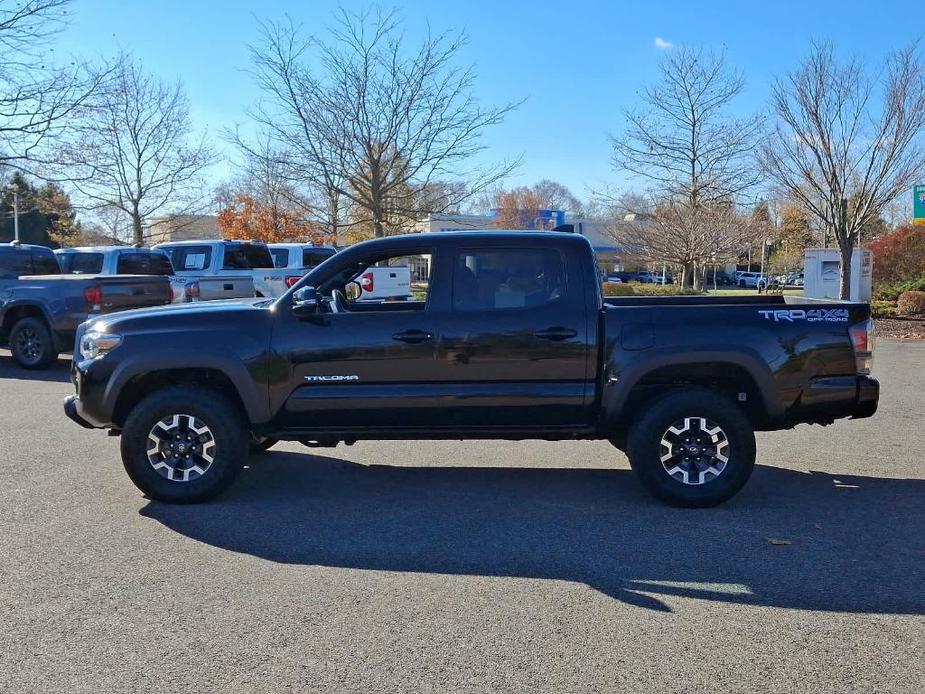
732 374
128 388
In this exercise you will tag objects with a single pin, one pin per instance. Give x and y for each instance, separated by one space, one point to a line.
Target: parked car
382 281
650 277
121 260
614 278
723 279
753 280
793 279
40 308
298 258
222 269
514 341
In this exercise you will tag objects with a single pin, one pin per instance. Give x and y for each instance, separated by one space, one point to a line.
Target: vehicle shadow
790 539
59 371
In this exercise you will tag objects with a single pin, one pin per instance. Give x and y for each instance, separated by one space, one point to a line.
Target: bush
617 289
882 309
663 290
890 291
911 304
639 289
899 255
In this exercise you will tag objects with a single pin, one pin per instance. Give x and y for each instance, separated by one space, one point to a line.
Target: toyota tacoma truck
512 339
41 308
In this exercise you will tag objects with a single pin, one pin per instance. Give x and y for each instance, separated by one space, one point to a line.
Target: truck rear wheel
184 444
693 448
32 344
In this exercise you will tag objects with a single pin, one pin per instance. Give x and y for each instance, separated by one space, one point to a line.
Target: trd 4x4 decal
813 315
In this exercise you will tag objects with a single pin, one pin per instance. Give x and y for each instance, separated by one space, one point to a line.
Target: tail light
93 298
366 282
191 291
862 339
293 280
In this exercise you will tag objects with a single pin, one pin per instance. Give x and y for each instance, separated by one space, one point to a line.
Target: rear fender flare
617 392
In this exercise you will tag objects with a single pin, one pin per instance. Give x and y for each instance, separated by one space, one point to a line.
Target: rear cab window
280 257
44 263
143 263
191 258
81 263
312 257
247 256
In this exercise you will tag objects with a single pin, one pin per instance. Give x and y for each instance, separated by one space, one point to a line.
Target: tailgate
123 292
236 287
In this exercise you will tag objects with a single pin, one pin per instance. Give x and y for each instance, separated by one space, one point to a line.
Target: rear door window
15 262
135 263
247 256
488 279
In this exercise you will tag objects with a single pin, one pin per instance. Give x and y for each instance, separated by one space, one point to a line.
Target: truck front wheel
184 444
32 344
693 448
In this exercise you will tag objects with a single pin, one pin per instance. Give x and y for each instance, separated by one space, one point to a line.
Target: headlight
94 344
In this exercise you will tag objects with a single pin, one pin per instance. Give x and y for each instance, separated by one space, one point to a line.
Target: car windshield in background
190 258
312 257
280 257
82 263
247 256
144 264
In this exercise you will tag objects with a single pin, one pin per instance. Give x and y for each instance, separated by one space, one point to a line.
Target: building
187 227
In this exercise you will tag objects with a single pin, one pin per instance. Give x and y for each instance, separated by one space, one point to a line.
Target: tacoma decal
333 377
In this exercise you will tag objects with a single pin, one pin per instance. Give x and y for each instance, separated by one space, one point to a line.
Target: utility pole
15 215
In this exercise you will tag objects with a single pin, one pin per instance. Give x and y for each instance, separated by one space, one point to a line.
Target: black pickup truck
507 337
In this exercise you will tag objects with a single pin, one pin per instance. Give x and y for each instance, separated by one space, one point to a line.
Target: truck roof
489 237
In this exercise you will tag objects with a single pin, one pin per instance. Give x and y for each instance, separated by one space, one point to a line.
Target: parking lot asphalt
473 566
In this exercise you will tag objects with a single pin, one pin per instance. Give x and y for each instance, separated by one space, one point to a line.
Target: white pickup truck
240 268
298 258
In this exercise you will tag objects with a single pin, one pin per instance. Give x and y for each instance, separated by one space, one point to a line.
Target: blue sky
577 63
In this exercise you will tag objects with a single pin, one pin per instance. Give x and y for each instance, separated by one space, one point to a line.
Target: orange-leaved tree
246 218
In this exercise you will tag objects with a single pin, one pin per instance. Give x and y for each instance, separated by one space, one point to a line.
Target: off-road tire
225 426
645 448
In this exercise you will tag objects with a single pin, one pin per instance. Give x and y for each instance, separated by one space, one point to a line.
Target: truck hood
180 315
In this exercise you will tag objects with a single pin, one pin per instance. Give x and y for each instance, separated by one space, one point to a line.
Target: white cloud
662 43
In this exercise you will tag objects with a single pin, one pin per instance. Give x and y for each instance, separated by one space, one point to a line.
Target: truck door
515 347
359 363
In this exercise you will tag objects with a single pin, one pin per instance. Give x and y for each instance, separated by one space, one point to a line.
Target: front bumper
74 412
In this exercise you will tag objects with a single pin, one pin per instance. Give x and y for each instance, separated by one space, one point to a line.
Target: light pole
11 189
15 215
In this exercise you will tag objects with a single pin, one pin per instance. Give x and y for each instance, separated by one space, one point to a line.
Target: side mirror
305 301
353 291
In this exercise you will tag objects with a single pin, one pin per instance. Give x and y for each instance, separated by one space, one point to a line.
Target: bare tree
374 123
841 151
37 98
652 231
693 155
135 152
